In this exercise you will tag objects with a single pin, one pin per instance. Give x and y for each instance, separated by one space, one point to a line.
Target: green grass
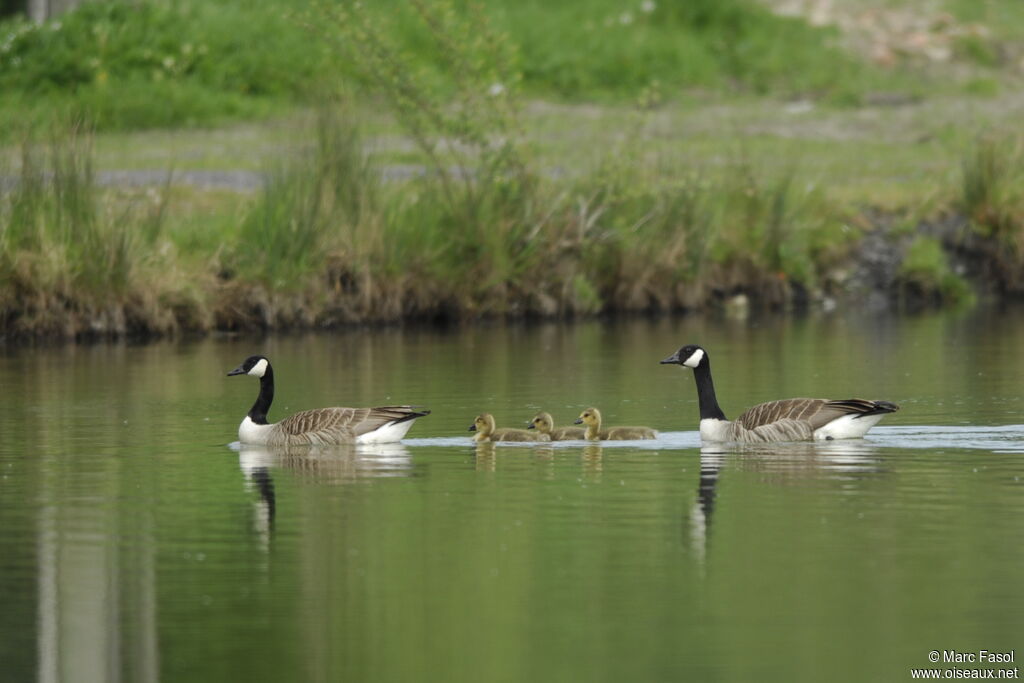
130 65
925 274
141 65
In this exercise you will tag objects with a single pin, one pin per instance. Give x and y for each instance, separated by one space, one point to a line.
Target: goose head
253 365
543 423
690 356
590 417
483 424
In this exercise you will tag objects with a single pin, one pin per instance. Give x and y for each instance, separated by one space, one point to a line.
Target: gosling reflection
592 460
486 460
488 453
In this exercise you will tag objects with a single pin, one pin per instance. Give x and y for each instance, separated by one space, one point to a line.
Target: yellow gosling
484 427
544 424
592 418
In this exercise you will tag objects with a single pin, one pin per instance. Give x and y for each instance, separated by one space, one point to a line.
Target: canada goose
545 425
483 425
592 418
793 419
322 427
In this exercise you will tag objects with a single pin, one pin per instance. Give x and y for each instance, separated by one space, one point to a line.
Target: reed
327 242
77 263
992 199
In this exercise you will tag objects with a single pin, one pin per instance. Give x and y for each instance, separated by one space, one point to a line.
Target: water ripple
998 439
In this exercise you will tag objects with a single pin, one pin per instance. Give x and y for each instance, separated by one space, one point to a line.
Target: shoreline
871 278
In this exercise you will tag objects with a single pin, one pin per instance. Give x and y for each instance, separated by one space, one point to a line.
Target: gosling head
542 423
253 365
483 424
590 417
690 355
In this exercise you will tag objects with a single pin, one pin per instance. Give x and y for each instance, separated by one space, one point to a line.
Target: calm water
137 544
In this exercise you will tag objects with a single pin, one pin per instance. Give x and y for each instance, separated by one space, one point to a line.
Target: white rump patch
695 358
259 369
387 433
251 433
847 427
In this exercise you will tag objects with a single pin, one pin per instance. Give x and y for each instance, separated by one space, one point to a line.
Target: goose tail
881 408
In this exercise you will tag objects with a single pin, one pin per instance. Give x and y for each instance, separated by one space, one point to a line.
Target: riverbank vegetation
428 183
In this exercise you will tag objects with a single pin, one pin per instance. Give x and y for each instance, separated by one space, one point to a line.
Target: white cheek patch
695 358
259 369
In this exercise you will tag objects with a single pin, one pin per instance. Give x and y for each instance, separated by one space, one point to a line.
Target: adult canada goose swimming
322 427
484 425
544 424
793 419
592 418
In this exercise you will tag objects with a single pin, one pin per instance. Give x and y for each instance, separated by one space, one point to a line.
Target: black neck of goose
709 408
259 410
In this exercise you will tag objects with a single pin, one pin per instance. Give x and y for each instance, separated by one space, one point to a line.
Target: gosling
545 425
592 418
483 425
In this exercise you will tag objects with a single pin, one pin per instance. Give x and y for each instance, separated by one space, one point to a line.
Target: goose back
335 426
816 412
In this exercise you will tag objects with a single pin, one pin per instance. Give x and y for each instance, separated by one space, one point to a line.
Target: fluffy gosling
485 430
544 424
592 418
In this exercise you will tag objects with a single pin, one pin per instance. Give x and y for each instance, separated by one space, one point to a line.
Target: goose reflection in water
779 463
325 465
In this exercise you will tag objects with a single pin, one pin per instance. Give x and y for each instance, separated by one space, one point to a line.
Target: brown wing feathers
340 425
816 411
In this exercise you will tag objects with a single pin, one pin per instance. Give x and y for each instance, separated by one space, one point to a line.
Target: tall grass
73 265
327 242
992 199
308 234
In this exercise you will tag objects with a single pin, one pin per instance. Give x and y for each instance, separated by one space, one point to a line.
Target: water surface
137 544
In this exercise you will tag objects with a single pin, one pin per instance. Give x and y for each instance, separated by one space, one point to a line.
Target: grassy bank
329 241
436 190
